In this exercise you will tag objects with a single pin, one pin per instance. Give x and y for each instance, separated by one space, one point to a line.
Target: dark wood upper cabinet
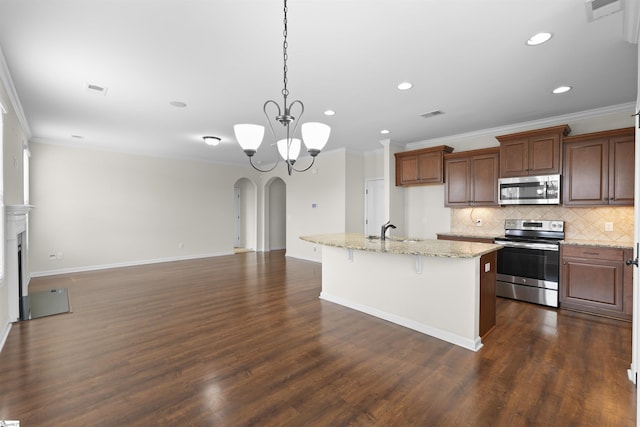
472 178
599 168
421 167
536 152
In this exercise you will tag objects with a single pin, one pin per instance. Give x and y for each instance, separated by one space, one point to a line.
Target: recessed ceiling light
562 89
405 86
211 140
539 39
177 104
329 113
384 131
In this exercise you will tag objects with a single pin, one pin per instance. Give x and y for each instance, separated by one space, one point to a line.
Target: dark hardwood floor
244 340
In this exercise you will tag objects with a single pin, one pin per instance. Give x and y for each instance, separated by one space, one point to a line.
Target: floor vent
597 9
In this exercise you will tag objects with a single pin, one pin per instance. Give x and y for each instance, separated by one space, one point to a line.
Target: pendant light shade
315 136
294 149
249 137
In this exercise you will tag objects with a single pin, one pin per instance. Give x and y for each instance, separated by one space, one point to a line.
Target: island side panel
442 301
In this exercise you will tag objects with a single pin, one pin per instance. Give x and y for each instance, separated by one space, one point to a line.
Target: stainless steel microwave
529 190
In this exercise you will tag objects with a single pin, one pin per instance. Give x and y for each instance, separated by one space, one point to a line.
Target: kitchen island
445 289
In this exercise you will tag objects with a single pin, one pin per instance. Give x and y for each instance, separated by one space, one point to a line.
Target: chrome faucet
383 229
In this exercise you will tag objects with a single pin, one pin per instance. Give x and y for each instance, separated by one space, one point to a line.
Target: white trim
5 78
302 258
125 264
520 127
5 335
473 345
631 23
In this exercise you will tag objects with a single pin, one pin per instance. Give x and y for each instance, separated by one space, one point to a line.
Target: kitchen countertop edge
598 243
424 247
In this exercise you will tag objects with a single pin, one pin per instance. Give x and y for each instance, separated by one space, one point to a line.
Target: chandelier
314 135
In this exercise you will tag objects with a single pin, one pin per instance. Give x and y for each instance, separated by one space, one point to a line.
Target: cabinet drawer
612 254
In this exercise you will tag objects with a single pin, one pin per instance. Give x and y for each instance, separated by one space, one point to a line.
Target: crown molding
521 127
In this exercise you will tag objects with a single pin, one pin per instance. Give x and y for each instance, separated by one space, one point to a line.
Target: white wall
104 209
323 186
425 214
354 187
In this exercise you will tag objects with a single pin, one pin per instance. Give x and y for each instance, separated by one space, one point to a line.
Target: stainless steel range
529 262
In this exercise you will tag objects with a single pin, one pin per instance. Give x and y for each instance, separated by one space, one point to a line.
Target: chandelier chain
285 45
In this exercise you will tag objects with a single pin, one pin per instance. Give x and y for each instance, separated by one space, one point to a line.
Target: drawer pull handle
591 253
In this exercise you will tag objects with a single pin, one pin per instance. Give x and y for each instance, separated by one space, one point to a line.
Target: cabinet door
586 173
408 168
430 168
514 158
488 264
592 285
544 155
484 179
621 170
457 185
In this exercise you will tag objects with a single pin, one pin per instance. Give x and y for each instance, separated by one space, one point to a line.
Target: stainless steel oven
529 262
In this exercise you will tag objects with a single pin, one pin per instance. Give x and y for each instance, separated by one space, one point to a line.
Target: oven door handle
526 245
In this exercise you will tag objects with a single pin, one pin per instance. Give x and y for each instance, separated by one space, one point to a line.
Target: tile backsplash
579 223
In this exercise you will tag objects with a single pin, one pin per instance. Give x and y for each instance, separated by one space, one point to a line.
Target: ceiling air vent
96 89
431 114
597 9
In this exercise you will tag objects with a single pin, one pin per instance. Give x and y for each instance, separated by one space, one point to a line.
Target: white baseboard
123 264
473 345
5 335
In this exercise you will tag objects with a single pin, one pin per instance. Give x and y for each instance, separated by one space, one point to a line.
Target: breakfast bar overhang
445 289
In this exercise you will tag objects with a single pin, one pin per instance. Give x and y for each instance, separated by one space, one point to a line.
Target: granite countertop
598 243
398 245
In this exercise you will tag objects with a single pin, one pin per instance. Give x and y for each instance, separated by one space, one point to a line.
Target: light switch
487 267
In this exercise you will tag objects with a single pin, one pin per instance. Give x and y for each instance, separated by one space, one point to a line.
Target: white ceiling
223 58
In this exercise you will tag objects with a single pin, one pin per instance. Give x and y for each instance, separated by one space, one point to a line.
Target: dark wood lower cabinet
596 280
488 264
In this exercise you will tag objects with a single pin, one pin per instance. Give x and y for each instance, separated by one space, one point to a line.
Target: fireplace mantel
15 210
16 223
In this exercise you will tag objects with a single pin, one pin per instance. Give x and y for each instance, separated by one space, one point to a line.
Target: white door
374 209
236 217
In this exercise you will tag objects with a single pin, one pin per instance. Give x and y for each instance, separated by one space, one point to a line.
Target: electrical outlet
60 255
608 226
478 222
